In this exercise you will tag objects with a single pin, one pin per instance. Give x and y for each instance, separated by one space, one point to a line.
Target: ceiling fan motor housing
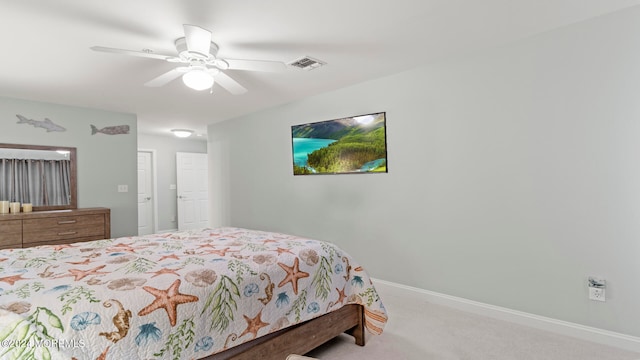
183 51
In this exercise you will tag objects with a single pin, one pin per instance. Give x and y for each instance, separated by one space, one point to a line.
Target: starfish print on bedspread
121 247
253 325
84 262
221 253
172 256
282 251
46 272
12 279
168 300
81 274
206 245
164 271
293 275
341 295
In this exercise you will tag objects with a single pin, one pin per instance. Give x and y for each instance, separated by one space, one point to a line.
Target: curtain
39 182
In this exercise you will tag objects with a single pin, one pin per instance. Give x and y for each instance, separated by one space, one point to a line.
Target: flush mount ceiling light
198 79
182 133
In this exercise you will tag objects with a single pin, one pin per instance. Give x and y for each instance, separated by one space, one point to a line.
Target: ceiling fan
201 65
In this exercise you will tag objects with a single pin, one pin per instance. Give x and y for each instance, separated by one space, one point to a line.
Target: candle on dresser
27 207
14 207
4 207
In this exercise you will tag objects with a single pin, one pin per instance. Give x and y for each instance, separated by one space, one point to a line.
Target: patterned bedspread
182 295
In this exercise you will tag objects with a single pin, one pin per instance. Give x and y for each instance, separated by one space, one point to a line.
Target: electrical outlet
597 288
597 294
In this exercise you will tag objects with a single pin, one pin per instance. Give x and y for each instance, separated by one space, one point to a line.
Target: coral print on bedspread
182 295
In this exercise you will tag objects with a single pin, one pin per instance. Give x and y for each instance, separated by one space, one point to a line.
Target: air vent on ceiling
307 63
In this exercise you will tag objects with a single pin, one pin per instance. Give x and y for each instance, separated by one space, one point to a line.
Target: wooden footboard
304 337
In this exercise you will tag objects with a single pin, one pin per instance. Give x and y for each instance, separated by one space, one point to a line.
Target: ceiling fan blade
229 84
166 78
132 53
256 65
198 39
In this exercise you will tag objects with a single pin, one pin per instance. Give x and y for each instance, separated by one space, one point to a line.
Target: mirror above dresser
43 176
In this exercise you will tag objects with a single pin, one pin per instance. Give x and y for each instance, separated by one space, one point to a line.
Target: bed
225 293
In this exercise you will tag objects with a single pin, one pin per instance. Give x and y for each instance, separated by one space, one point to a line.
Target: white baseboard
605 337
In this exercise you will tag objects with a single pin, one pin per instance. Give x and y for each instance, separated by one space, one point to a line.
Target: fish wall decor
45 124
111 130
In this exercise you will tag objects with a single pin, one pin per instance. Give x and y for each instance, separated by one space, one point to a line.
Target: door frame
154 182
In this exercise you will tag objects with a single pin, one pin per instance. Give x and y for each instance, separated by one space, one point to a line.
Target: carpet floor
418 330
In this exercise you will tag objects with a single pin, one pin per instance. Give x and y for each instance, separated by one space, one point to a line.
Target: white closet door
193 194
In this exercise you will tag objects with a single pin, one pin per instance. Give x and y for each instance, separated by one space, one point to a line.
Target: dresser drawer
10 234
84 227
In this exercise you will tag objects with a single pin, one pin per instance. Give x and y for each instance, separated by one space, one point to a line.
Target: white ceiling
46 55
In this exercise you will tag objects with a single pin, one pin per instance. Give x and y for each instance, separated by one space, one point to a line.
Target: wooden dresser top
53 213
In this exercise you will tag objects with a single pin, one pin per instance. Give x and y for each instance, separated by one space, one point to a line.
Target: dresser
54 227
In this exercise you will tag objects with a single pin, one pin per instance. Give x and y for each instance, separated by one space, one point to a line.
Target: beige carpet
442 333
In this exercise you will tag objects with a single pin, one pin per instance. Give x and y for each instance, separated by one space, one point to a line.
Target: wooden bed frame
301 338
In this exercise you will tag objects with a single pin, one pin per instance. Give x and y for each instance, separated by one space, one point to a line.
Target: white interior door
193 193
145 193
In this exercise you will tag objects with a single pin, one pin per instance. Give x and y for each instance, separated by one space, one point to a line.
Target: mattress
183 295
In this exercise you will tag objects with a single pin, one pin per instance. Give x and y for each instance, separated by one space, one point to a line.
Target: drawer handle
67 233
67 222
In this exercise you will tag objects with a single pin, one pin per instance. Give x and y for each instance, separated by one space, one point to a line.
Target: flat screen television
351 145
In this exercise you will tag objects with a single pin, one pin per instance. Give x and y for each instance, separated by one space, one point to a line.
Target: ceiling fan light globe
198 80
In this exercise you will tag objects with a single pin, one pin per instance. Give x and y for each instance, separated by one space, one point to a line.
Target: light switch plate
123 188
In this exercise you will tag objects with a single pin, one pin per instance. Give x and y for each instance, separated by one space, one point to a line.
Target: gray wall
104 161
513 175
166 148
